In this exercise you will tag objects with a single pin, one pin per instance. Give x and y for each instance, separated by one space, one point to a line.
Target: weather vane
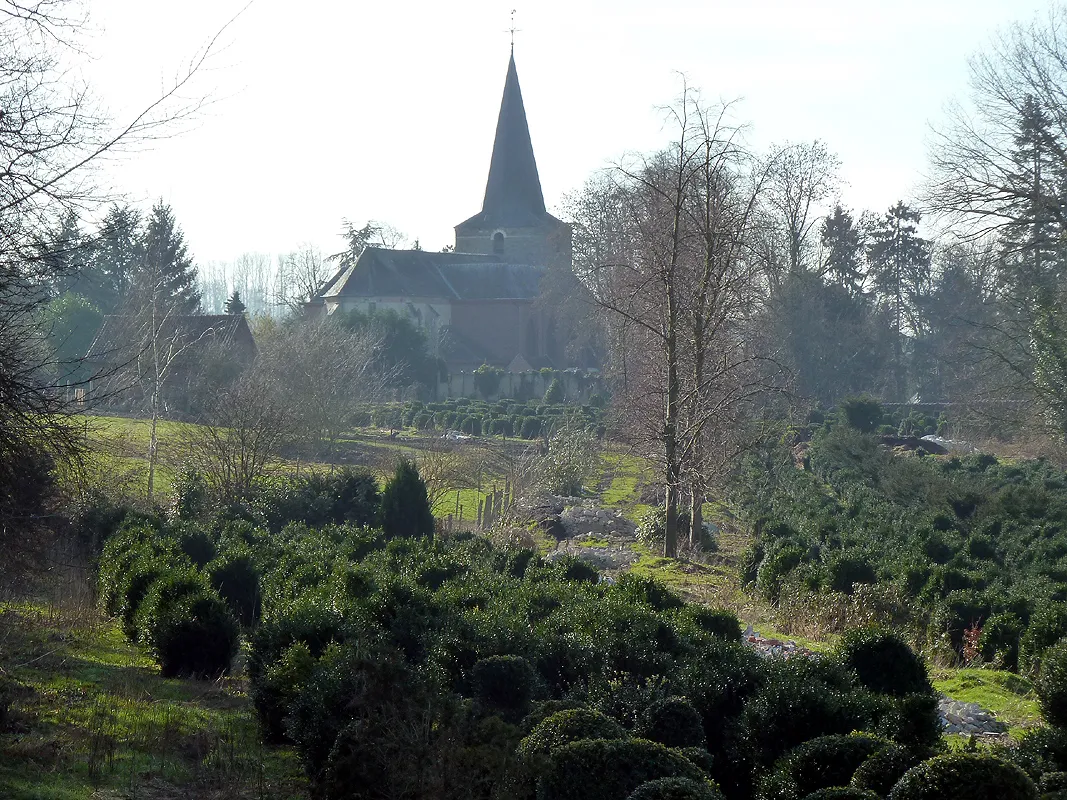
513 30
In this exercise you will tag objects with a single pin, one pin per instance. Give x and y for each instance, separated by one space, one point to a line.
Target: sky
322 111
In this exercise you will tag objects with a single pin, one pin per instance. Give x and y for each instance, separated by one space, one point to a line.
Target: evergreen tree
405 509
234 304
842 241
116 257
63 255
900 268
166 267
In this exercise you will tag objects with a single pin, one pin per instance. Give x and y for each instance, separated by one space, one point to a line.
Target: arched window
498 242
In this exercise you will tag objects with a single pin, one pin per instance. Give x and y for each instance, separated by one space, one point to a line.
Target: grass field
88 716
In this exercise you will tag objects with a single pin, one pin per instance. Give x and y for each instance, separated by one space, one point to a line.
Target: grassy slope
91 718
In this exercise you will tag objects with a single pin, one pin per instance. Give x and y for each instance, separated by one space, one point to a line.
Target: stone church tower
513 223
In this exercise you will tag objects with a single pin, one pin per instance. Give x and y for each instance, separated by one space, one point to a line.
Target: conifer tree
116 258
234 304
167 269
842 241
405 507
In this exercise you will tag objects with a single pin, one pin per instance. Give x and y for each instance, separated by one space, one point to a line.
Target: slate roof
119 333
380 272
513 197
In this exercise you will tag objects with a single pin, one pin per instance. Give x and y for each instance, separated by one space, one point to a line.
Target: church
479 303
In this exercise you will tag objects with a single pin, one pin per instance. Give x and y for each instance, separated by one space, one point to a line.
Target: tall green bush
964 776
405 507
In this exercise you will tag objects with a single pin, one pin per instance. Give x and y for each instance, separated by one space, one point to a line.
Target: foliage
504 682
564 727
195 636
673 722
1052 685
234 575
883 769
405 505
554 392
608 769
883 662
675 789
820 763
964 776
863 413
572 457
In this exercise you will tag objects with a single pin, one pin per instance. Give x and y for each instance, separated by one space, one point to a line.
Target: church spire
513 195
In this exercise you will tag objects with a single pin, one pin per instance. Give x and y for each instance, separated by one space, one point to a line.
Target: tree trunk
696 514
670 430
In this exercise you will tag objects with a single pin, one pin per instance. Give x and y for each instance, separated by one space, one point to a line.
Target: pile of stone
773 647
592 521
968 718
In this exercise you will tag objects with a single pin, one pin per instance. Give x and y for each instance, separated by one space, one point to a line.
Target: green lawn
1011 697
90 717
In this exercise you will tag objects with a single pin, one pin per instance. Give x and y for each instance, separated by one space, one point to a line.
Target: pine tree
234 304
842 240
167 269
900 268
116 257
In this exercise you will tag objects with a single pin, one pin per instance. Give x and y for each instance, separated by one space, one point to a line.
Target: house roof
380 272
513 197
121 332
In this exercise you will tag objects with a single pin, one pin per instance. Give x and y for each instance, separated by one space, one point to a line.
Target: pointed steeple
513 195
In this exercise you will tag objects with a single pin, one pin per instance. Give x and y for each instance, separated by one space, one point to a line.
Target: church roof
121 335
380 272
513 197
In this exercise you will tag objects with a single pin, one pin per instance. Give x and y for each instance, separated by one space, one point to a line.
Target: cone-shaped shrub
197 636
405 506
1052 685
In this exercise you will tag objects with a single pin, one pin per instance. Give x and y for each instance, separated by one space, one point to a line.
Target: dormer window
498 243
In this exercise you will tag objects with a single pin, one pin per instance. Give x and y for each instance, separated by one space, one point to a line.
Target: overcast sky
386 110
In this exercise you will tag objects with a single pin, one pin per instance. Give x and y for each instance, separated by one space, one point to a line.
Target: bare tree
244 431
800 178
301 275
325 373
666 254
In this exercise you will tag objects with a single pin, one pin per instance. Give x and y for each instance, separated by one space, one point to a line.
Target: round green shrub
863 413
572 568
1040 751
564 727
505 682
128 544
676 789
842 793
821 763
718 622
531 428
881 771
1048 625
136 583
1052 685
964 776
642 589
169 586
607 769
196 636
883 662
235 577
999 641
1053 783
673 722
196 543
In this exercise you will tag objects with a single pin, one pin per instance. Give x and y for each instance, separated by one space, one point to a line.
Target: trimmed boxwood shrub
609 769
196 636
235 577
531 428
136 583
883 662
673 722
169 587
881 771
823 762
1000 640
964 776
504 682
405 504
843 793
564 727
196 543
1052 685
676 789
718 622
